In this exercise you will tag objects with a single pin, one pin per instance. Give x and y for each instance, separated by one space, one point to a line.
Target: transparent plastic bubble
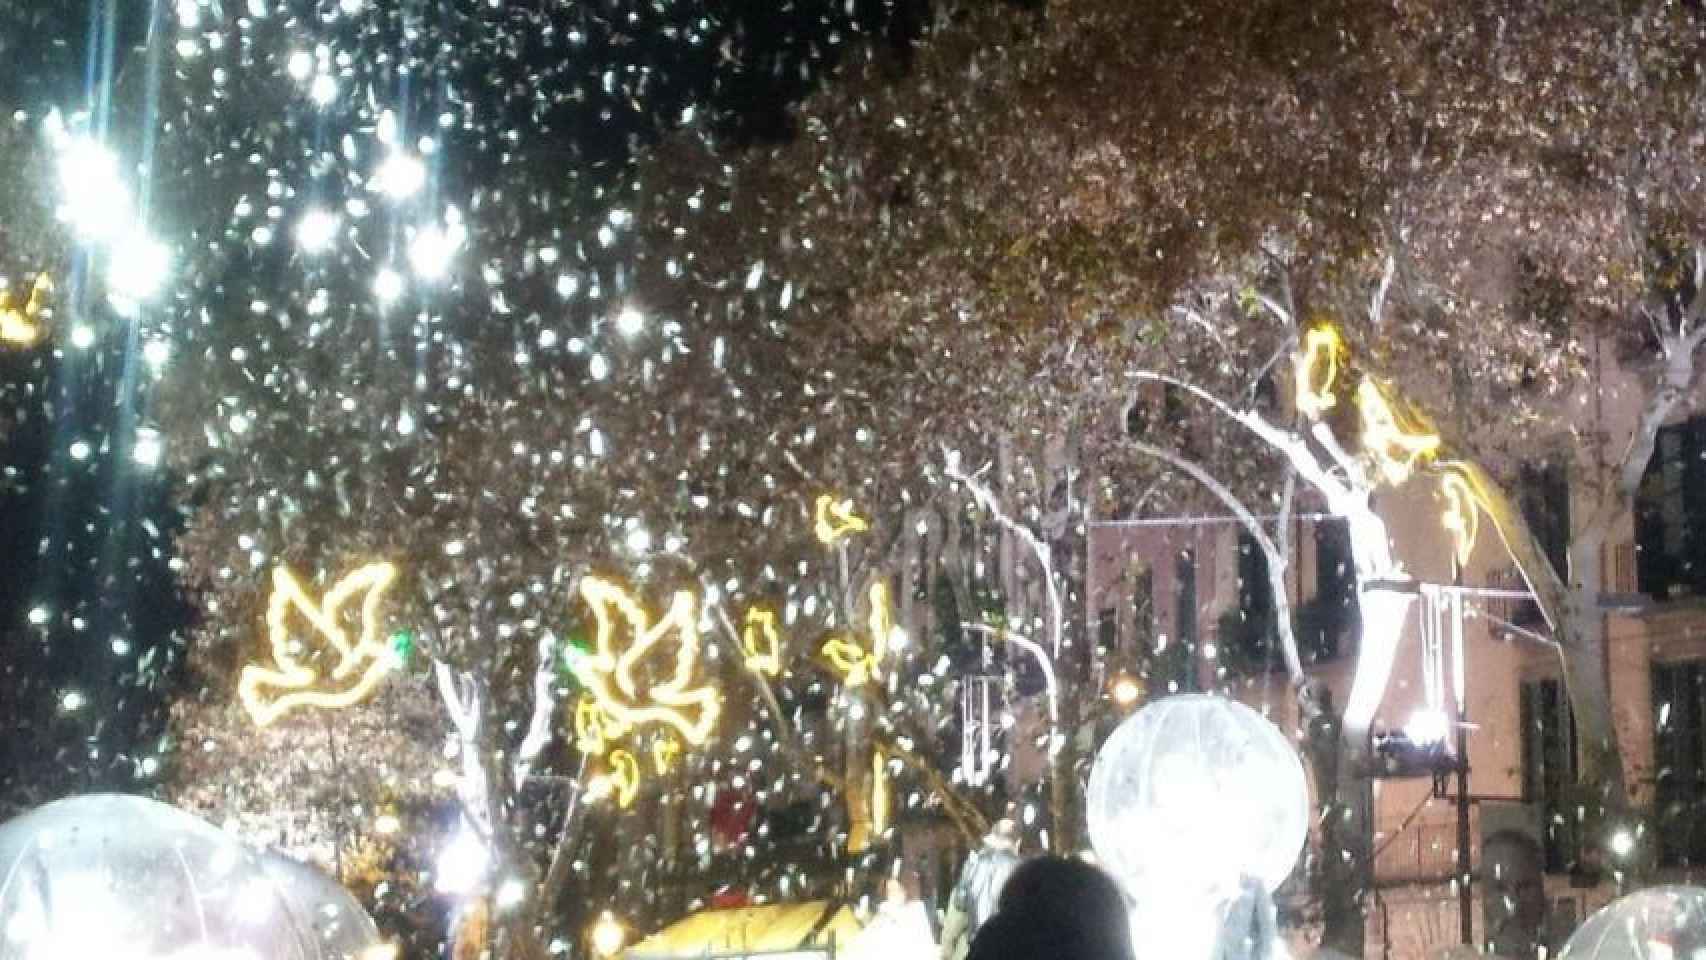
1194 793
116 876
1659 923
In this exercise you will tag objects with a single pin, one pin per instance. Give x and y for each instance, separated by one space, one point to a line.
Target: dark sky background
91 620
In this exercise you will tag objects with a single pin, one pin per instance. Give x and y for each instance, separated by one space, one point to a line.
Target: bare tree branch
539 724
1276 560
986 499
1377 304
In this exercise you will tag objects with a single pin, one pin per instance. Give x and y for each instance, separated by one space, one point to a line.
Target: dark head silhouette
1054 908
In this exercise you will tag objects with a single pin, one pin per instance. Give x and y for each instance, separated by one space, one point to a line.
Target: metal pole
1465 894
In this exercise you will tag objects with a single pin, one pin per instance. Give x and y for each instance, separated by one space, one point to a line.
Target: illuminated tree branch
986 499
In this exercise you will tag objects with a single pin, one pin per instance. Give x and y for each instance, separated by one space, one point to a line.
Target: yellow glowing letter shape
665 750
761 643
1321 347
609 673
854 661
359 665
624 777
1394 451
595 727
836 519
18 325
1462 515
879 794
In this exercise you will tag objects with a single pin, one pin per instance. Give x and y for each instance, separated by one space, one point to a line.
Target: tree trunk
1578 628
1346 869
1581 635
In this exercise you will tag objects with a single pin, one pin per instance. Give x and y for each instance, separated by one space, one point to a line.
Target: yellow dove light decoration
1395 450
356 667
1321 348
18 324
1462 516
622 780
855 662
610 673
836 519
665 750
762 643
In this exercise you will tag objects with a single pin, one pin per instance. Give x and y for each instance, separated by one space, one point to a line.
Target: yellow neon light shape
609 673
1321 349
762 643
358 667
879 793
1462 516
836 519
595 727
855 662
665 750
1395 450
18 324
624 777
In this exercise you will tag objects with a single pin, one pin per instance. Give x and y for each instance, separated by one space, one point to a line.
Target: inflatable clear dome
1659 923
1193 794
124 877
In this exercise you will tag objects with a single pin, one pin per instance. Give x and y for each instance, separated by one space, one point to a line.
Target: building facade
1191 594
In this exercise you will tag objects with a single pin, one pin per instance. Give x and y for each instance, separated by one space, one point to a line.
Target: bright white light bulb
323 90
1622 843
316 230
1427 727
156 353
510 894
638 540
630 322
401 176
301 63
82 336
96 200
598 367
73 701
147 449
387 285
80 450
432 249
137 267
461 864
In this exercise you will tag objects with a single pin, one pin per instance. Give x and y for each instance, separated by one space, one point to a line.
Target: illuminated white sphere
106 875
1657 922
1191 794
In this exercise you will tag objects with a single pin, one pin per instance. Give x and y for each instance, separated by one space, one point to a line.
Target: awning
810 929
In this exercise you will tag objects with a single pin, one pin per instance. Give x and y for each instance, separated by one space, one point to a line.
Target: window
1247 630
1327 621
1543 493
1549 768
1679 762
1187 616
1670 513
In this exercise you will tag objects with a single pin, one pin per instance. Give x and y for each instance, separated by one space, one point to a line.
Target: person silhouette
1055 908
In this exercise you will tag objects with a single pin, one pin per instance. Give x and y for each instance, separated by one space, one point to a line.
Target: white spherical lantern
1194 793
106 875
1668 922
